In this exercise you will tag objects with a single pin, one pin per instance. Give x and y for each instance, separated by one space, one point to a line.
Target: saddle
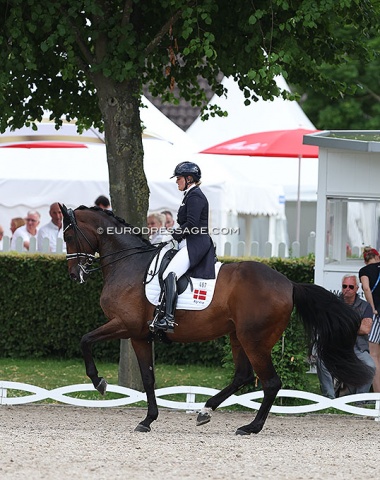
182 282
193 293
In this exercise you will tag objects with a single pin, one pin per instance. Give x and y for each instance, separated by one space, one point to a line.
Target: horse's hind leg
262 363
243 376
144 354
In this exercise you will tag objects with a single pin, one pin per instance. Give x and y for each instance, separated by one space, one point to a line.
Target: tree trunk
129 371
120 107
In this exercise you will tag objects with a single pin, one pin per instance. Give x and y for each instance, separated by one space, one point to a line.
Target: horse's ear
63 208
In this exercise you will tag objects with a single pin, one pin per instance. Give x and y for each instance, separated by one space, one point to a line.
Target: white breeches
180 263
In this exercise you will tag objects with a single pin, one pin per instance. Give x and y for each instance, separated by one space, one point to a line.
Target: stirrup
166 326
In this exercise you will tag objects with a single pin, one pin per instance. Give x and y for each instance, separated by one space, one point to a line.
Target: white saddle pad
197 296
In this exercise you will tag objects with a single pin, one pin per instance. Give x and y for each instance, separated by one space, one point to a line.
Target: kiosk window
351 225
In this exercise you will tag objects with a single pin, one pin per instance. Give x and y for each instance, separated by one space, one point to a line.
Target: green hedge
45 314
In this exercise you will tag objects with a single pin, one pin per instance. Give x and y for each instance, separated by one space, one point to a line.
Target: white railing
45 248
130 396
238 250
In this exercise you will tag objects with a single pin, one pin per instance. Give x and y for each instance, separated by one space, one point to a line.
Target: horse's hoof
142 428
203 418
102 387
241 431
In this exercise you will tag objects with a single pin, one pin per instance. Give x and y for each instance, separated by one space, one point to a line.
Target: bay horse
252 303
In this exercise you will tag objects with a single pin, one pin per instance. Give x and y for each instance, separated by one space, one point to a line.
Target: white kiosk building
348 204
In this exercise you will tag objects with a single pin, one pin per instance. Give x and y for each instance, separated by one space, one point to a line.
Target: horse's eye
68 238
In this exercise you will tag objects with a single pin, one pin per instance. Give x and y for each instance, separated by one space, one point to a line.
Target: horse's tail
332 326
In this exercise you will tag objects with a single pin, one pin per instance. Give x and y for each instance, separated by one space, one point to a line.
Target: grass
51 374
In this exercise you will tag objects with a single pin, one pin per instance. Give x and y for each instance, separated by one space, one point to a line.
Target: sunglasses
351 287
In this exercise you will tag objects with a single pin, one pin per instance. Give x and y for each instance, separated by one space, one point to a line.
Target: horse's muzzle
79 273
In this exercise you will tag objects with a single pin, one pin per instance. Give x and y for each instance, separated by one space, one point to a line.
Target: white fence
130 396
238 250
32 246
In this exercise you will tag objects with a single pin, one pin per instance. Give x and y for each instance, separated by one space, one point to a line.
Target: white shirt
24 234
161 236
52 232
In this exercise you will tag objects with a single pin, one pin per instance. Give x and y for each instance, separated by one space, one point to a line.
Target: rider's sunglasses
351 287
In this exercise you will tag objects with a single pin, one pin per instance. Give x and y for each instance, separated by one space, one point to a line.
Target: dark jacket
192 219
364 310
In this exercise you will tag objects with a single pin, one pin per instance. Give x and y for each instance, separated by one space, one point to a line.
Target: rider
196 253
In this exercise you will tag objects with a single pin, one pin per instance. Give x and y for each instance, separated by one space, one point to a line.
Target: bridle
89 258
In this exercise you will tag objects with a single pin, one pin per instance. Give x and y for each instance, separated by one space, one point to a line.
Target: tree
89 59
357 110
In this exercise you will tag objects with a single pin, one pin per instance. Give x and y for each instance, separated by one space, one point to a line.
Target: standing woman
196 254
370 279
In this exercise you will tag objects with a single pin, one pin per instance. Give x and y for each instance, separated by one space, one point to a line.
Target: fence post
295 249
227 249
311 243
254 249
267 249
282 250
241 249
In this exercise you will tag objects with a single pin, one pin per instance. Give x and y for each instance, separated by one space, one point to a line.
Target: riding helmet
187 168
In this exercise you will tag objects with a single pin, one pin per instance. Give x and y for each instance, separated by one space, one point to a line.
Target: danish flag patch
200 294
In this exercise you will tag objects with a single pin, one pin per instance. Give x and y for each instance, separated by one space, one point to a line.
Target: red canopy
45 145
276 143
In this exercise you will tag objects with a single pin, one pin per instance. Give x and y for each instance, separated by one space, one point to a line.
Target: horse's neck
127 252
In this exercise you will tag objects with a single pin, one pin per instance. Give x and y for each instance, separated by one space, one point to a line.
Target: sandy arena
64 442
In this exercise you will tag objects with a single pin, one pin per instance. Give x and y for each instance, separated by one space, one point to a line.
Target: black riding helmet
187 168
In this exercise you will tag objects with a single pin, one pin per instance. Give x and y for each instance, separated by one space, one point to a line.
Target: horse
252 303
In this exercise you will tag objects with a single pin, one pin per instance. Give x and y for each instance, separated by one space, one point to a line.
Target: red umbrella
43 144
276 143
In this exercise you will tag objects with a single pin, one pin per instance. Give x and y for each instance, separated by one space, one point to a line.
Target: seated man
350 286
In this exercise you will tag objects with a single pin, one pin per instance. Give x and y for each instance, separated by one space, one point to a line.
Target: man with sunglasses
350 286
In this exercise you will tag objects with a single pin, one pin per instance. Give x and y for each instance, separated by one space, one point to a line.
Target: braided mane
119 219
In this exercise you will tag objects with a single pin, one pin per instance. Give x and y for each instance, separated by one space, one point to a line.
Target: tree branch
126 12
81 44
372 93
164 30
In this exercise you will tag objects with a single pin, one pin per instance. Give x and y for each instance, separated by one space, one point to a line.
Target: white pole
298 200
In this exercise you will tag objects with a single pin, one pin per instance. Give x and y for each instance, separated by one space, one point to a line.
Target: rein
90 258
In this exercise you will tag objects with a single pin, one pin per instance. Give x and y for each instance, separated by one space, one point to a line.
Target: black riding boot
166 323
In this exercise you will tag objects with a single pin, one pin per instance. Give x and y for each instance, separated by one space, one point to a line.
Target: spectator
52 230
350 286
27 231
1 237
169 221
156 227
16 223
370 278
103 202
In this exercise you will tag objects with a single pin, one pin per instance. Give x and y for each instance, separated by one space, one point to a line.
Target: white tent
259 116
278 114
36 177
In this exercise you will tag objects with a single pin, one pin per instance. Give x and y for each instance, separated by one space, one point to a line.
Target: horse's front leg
108 331
144 354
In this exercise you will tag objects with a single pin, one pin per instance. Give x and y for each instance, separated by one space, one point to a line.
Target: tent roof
259 116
